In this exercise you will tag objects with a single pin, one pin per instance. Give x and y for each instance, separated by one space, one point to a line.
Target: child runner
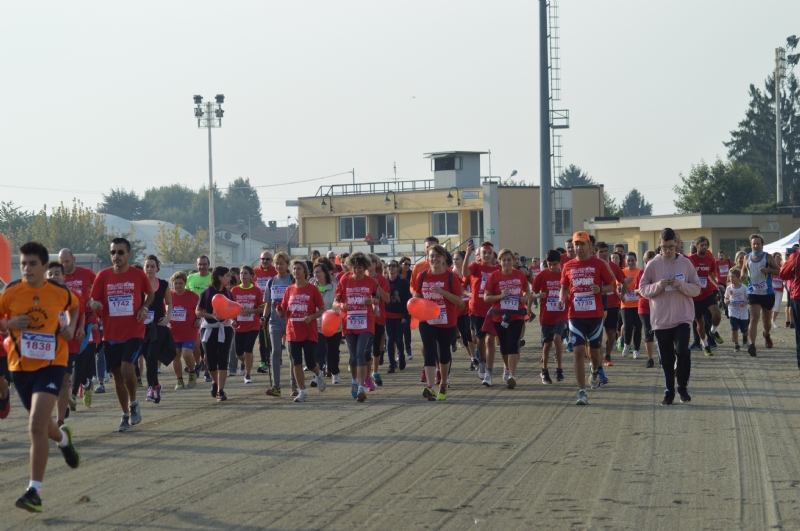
184 325
248 325
738 312
547 285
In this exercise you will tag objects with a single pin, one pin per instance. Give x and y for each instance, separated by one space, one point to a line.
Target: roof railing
375 188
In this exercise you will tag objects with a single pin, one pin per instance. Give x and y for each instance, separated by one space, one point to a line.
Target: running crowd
67 331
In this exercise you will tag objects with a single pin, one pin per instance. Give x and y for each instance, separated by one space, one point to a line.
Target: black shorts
477 325
550 331
127 351
765 301
47 380
3 366
71 363
245 341
700 307
612 316
586 331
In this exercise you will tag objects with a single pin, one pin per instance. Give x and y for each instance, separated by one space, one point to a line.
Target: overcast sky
99 94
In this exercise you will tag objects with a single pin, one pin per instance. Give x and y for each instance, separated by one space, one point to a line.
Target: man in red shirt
477 274
570 254
724 265
263 273
706 268
583 282
613 304
117 297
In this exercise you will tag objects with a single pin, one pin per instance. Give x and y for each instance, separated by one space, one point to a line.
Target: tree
78 228
174 247
138 246
722 187
15 224
240 201
126 205
634 204
574 176
610 207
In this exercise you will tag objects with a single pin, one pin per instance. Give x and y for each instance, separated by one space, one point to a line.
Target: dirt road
484 459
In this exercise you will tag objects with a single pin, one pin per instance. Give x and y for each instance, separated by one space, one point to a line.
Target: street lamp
209 116
513 173
386 200
450 196
326 204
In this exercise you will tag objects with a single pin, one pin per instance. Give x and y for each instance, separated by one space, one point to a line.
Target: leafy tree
138 246
240 201
634 204
77 228
174 247
127 205
574 176
15 224
610 206
722 187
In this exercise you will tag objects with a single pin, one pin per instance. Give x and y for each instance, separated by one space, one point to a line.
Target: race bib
441 319
679 276
584 302
484 278
703 282
552 305
120 305
179 314
262 283
38 346
723 270
777 284
62 318
761 287
509 303
357 321
150 315
245 318
631 295
276 292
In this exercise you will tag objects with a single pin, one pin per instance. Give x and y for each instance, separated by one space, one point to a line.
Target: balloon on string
224 307
414 323
330 323
422 309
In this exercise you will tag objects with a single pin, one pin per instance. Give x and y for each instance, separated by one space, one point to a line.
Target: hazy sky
99 94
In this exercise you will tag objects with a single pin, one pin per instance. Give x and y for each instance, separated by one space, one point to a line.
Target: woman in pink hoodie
669 282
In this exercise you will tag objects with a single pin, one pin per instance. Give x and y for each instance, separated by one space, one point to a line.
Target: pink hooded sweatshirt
671 306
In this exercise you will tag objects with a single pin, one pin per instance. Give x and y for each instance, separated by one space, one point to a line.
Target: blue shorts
586 331
550 331
47 380
739 324
185 344
119 351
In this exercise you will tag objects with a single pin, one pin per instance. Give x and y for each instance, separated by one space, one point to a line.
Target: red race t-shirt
448 281
262 276
723 266
612 298
644 304
183 317
384 285
515 281
549 283
359 317
248 298
579 276
564 259
81 283
706 268
73 344
121 297
479 275
466 294
297 304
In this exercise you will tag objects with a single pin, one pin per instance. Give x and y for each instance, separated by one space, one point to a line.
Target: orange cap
581 236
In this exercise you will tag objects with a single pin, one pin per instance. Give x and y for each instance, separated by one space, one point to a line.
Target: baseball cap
580 236
523 259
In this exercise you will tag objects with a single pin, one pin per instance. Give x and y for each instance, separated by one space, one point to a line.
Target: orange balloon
414 323
330 323
224 307
422 309
7 343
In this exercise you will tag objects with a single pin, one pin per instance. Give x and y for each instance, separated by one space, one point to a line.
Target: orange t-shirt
630 299
40 345
419 267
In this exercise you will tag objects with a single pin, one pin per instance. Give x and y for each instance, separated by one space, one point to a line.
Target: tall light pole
545 179
780 71
209 116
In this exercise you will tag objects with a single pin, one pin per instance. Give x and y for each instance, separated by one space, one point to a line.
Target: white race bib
509 303
777 284
441 319
38 346
245 318
723 270
703 282
484 278
150 315
356 321
761 287
276 292
584 302
179 314
631 295
552 304
262 283
679 276
120 305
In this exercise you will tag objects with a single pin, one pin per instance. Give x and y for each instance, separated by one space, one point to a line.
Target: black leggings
151 355
407 334
464 327
633 327
328 351
376 340
217 353
300 349
83 367
436 340
509 337
649 335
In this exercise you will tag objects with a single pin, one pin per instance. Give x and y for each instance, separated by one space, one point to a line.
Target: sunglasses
114 253
266 259
392 265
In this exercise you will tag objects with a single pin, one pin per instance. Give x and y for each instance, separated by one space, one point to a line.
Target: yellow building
457 204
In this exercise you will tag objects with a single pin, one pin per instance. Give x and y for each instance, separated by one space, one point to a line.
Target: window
447 163
476 223
445 223
730 245
563 221
353 228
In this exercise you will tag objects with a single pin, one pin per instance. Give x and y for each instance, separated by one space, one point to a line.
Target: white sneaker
248 380
159 370
636 355
240 372
302 396
487 381
335 379
626 350
594 381
448 379
320 381
482 370
506 374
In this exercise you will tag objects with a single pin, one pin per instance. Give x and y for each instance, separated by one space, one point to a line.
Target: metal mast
780 71
545 199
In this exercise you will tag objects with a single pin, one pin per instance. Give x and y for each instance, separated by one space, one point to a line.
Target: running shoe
570 348
197 371
717 337
354 389
369 383
275 391
240 372
207 378
231 372
214 390
335 379
607 362
221 396
247 379
487 380
791 325
442 393
603 378
59 423
391 369
5 406
429 394
620 343
737 348
559 375
767 342
125 425
295 391
100 389
454 346
283 347
438 377
157 394
30 501
546 377
87 394
192 380
583 399
422 377
787 324
262 368
626 350
410 356
636 354
708 351
511 383
667 400
71 454
150 396
401 361
302 396
506 374
376 376
321 382
472 366
362 394
696 346
159 370
684 395
313 382
482 370
136 414
521 343
751 349
179 384
594 381
139 383
73 402
650 364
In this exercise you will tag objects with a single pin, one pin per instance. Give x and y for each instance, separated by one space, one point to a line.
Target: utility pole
209 118
545 199
780 71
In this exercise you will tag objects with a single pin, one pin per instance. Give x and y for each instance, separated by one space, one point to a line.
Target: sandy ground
484 459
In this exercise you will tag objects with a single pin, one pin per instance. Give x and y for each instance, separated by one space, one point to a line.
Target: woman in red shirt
443 287
183 324
464 323
376 272
644 311
508 291
301 306
248 325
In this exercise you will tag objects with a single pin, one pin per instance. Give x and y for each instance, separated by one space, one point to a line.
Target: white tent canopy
780 246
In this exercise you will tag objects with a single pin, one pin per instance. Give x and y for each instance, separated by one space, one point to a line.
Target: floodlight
220 98
198 100
792 42
793 59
